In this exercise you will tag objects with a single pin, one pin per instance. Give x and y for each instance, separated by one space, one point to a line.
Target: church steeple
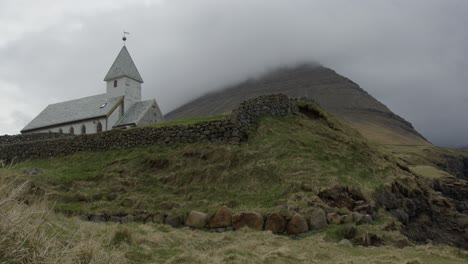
123 66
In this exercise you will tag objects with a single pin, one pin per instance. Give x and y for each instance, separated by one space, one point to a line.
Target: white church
119 107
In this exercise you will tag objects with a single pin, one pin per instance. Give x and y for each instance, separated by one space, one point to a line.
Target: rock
357 217
348 218
31 171
306 187
127 219
84 217
368 240
174 220
318 220
250 220
349 231
196 220
401 216
158 219
275 223
345 242
114 219
334 218
297 225
97 218
222 218
366 219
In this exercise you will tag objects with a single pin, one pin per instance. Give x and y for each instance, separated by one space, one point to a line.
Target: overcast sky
410 55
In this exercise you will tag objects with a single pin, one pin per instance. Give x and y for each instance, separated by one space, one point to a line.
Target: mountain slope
333 92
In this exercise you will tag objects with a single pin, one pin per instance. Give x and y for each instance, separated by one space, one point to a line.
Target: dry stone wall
232 129
24 138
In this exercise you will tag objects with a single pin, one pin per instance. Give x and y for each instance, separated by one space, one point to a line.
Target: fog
410 55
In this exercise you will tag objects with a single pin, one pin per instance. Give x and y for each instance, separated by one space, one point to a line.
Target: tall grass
29 232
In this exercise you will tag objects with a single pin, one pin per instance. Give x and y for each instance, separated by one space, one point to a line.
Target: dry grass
31 233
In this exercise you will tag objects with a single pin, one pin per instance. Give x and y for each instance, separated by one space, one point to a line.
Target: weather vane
124 38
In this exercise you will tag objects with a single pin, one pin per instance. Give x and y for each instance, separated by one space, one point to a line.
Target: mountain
333 92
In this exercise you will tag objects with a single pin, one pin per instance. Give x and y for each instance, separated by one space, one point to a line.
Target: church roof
74 110
135 113
123 66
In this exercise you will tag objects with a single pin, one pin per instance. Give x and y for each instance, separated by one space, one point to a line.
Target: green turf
280 155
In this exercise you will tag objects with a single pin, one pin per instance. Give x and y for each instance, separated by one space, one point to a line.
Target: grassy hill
284 166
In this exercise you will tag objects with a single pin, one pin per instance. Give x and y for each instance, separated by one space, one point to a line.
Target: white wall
127 87
91 127
153 115
114 117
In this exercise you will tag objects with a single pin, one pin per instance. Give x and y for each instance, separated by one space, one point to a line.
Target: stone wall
23 138
232 129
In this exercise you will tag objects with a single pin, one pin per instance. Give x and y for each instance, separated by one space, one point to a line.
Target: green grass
262 174
187 121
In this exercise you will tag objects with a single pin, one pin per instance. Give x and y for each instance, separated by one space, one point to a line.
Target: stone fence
232 129
23 138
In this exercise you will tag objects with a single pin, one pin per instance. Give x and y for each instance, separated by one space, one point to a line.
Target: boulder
318 220
250 220
174 220
366 219
345 242
357 217
297 225
196 220
334 218
97 218
348 218
275 223
222 218
115 219
127 219
349 231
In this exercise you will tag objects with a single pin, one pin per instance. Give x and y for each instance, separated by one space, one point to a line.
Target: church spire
123 66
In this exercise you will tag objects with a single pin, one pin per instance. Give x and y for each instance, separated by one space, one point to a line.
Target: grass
262 174
428 171
187 121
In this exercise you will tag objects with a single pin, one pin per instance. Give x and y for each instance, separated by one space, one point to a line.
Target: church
119 107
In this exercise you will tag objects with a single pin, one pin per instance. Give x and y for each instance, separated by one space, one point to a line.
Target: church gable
141 113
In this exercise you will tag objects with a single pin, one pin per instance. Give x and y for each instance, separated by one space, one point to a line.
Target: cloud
411 55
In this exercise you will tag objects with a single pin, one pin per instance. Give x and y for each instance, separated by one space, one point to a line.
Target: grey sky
410 55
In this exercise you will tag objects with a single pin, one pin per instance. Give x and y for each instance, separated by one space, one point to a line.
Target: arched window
99 127
60 131
83 129
72 131
115 83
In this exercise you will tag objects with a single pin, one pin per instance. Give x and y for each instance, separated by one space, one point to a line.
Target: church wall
153 115
114 117
91 127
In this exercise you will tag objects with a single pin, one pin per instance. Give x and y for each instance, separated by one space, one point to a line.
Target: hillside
408 203
333 92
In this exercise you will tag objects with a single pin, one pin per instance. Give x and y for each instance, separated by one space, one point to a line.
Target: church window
99 127
115 83
72 131
83 129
